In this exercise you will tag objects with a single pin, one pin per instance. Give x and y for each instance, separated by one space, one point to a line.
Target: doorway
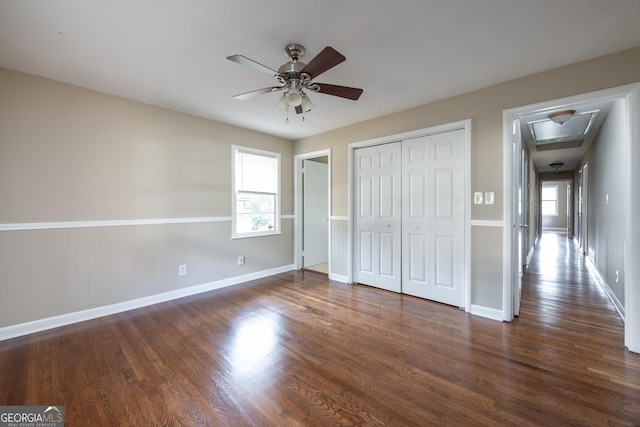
555 205
629 96
312 189
583 211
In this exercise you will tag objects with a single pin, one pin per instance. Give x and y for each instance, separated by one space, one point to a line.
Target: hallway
562 301
559 291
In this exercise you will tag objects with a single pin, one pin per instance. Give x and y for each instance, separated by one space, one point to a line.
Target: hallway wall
606 201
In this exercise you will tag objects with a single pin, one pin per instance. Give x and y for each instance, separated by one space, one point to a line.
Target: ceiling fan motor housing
292 69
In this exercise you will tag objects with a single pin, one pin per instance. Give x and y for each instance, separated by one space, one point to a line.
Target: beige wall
485 108
68 154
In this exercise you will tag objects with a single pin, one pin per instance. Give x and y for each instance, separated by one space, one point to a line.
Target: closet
409 216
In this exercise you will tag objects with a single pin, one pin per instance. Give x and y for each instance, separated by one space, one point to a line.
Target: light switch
489 198
477 198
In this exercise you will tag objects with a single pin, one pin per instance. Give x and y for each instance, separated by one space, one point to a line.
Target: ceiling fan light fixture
282 103
306 104
293 97
561 116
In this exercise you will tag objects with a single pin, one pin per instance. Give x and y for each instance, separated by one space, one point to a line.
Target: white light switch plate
477 198
489 198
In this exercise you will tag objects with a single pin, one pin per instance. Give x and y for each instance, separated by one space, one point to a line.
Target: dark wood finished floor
297 349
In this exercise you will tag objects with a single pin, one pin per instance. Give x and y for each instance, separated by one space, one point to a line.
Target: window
256 192
550 200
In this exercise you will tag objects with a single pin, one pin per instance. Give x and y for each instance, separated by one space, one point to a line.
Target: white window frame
236 149
556 189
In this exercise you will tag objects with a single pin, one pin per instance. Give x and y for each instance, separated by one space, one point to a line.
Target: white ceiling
403 53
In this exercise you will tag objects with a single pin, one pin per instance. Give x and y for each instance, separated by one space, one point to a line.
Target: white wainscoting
339 249
57 273
81 316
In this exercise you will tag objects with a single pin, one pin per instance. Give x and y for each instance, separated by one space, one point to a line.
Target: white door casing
315 213
584 202
298 205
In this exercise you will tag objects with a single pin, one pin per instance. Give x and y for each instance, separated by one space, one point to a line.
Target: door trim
462 124
297 204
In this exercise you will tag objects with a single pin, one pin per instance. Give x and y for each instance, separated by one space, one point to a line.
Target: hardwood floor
297 349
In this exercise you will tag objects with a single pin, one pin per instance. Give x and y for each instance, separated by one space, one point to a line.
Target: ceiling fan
295 77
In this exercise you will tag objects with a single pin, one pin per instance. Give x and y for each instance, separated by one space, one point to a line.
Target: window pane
549 207
255 197
256 173
255 212
549 193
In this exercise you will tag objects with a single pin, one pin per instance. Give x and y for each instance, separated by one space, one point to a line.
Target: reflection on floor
320 268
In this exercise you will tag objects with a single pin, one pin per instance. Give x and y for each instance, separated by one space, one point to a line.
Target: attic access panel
546 131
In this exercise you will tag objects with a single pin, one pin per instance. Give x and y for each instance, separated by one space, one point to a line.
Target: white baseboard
605 286
489 313
338 278
39 325
545 228
530 255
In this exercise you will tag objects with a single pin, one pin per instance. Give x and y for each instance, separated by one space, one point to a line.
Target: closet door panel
447 222
388 219
416 193
377 219
444 261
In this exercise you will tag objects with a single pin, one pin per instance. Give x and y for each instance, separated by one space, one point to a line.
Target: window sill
247 236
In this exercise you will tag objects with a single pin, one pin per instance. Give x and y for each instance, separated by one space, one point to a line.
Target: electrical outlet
182 270
241 260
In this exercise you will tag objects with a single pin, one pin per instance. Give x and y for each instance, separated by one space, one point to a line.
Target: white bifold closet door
433 212
378 216
425 239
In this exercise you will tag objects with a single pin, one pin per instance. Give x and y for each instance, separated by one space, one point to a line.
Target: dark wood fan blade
253 93
341 91
298 109
328 58
240 59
